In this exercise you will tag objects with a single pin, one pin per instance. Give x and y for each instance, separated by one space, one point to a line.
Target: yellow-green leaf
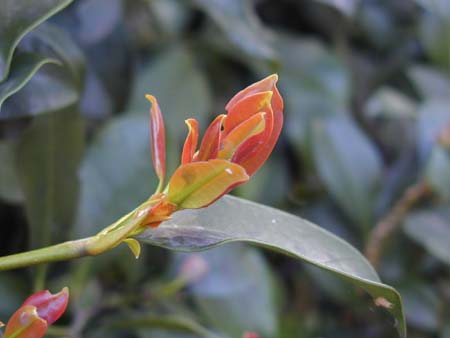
198 184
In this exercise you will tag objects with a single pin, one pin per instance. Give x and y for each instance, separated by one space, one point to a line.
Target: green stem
91 246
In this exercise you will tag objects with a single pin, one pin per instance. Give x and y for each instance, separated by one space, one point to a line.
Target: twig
390 223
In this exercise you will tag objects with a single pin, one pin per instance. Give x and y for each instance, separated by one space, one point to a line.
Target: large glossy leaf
232 219
431 229
349 166
17 17
48 154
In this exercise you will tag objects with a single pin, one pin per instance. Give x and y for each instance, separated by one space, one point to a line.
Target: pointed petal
245 108
158 140
266 84
198 184
49 307
211 140
134 246
25 323
190 145
250 127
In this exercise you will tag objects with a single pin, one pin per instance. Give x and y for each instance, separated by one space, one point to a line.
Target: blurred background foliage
365 153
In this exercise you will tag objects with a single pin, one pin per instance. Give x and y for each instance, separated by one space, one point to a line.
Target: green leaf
314 83
422 306
49 90
59 43
429 82
390 103
197 184
238 20
437 171
236 294
24 67
349 166
48 154
433 116
116 174
10 189
179 100
232 219
431 229
18 17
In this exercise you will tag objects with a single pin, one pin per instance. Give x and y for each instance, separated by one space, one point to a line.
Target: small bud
193 268
35 315
49 307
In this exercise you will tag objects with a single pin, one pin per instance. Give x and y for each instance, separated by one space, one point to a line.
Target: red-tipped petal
198 184
250 127
190 145
158 139
49 307
211 140
255 151
26 323
245 108
266 84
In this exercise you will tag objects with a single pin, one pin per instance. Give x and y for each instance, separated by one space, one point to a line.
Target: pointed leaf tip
158 140
134 246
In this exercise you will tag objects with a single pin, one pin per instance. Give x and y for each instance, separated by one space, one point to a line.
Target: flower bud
39 311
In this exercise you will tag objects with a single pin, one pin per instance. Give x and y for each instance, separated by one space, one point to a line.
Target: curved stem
90 246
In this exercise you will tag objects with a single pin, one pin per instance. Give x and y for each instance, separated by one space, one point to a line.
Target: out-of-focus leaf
238 19
171 15
390 103
262 187
53 42
24 67
435 32
97 19
170 326
48 156
116 174
437 172
429 82
12 293
431 229
51 89
178 99
433 115
349 166
422 306
314 84
232 219
18 17
348 7
10 189
236 294
435 6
